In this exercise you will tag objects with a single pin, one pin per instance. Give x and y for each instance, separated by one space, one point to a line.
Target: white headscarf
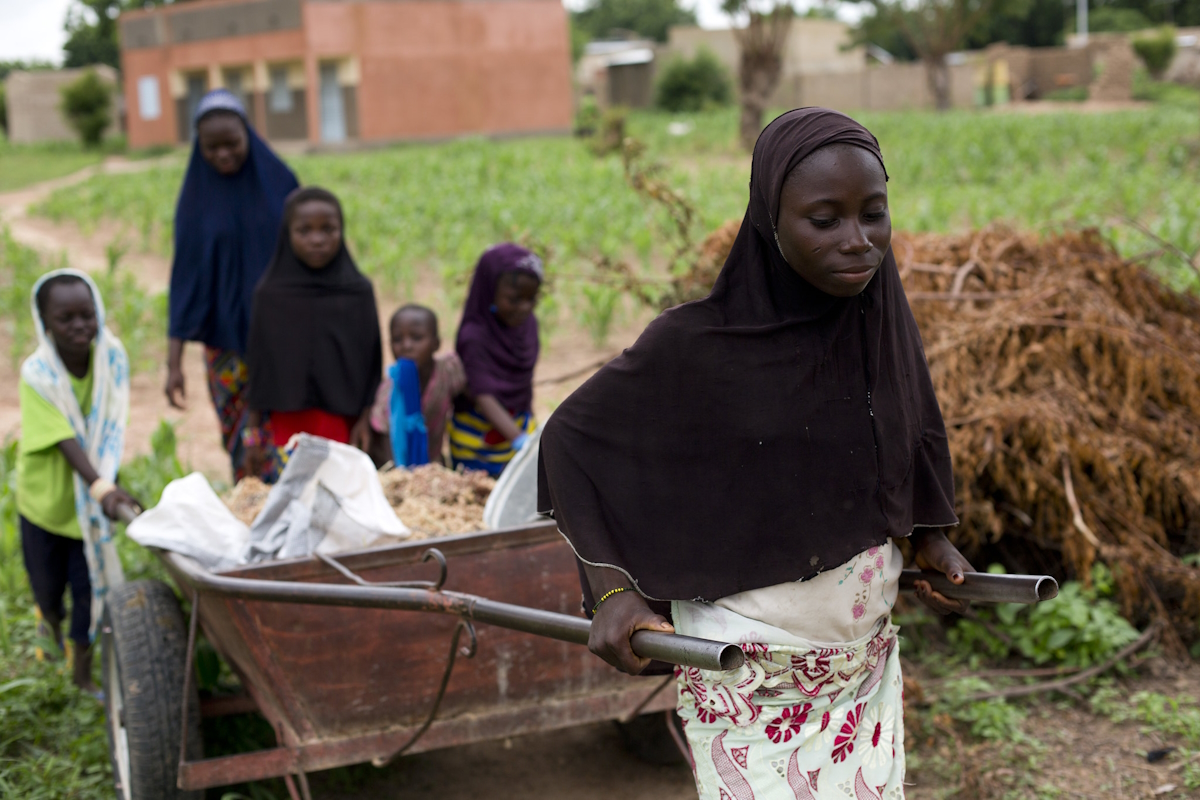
101 433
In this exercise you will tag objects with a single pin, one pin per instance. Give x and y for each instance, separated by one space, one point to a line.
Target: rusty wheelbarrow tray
347 670
354 658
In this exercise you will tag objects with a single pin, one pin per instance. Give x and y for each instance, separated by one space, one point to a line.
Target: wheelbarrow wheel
144 643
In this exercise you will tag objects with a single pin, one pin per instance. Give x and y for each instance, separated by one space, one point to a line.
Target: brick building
328 71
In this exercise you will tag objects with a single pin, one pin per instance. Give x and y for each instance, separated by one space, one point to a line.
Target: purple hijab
499 360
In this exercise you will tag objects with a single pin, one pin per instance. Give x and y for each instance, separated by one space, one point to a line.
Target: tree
934 29
92 34
1117 20
760 61
693 84
87 105
650 19
92 31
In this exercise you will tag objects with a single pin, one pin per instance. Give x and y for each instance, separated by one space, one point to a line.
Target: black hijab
763 434
314 333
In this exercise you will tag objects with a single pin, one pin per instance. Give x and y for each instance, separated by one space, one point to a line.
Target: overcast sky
34 28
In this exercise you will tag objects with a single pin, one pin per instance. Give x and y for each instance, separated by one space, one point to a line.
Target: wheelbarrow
368 655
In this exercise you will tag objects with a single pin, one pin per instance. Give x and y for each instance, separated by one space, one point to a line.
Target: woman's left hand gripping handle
934 551
614 624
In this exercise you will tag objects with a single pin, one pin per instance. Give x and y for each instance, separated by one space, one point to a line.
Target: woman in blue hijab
229 214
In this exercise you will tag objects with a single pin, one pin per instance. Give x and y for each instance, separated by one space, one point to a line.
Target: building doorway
195 85
333 110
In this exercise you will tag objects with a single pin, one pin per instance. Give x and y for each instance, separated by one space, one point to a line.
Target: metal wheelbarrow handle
985 587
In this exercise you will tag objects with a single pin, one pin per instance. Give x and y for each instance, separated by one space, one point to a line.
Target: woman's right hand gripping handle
617 617
175 383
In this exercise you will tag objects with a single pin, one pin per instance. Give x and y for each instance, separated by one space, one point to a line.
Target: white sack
514 499
191 519
327 500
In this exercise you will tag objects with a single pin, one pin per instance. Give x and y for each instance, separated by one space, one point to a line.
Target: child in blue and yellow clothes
74 394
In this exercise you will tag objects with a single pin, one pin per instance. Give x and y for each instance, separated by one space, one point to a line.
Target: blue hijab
225 231
406 423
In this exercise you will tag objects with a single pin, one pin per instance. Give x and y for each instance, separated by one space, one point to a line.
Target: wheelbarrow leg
297 783
304 793
189 656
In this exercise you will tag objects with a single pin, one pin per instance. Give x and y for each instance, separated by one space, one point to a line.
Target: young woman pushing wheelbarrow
743 471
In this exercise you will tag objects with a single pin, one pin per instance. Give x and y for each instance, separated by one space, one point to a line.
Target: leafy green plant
1156 50
1166 715
87 105
600 304
610 131
146 476
587 118
694 84
1173 716
994 718
1079 628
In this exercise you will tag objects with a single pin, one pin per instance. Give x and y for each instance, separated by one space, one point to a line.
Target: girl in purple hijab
498 345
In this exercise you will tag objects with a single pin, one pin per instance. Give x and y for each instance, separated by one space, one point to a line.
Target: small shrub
87 106
610 133
1079 628
1156 51
588 117
600 305
994 718
694 84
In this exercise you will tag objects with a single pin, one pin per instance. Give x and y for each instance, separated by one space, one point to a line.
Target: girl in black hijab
751 460
315 354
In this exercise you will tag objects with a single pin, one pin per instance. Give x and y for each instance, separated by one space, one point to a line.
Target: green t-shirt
45 481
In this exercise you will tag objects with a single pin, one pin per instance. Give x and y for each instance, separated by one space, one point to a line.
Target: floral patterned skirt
799 723
228 380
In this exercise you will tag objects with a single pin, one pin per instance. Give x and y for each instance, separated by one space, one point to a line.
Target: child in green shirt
74 394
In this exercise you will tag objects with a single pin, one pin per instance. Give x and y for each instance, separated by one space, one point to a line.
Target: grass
419 208
25 164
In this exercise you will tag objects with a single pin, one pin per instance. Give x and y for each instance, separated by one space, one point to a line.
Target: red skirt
286 424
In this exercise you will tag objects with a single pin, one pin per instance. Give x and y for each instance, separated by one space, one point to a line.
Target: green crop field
22 165
435 207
